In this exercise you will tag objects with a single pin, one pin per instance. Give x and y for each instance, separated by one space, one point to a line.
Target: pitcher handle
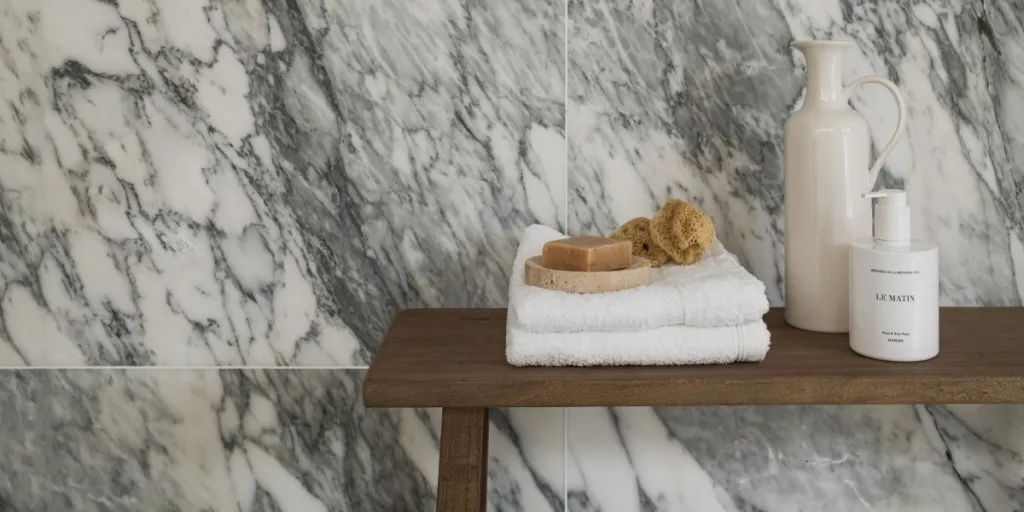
848 91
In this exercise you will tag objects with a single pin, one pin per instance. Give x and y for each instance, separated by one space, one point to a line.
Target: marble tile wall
244 440
686 99
850 458
264 183
255 184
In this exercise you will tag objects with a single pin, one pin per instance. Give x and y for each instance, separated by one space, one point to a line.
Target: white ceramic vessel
826 169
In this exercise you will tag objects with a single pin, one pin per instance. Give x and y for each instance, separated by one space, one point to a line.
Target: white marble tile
258 440
851 458
985 446
527 460
688 99
205 440
212 182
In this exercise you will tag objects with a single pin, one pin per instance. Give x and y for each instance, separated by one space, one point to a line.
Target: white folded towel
717 292
660 346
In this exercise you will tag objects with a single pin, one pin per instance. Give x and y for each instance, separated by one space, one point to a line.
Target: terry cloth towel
660 346
716 292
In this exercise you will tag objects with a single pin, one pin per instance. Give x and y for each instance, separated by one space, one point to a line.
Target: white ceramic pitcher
826 151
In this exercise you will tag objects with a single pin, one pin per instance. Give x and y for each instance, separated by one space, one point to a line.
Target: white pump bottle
894 287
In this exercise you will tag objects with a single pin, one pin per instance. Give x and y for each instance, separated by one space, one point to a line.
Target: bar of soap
587 254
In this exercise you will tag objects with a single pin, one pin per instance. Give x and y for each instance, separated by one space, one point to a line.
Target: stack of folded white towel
708 313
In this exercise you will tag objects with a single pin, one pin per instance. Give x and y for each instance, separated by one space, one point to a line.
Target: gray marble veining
206 440
264 183
213 182
244 440
688 99
850 458
984 446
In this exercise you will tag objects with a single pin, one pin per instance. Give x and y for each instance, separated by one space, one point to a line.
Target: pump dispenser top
892 215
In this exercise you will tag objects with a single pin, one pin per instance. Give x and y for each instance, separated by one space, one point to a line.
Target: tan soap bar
587 254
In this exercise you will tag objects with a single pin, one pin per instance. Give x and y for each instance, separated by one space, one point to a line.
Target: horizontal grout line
179 368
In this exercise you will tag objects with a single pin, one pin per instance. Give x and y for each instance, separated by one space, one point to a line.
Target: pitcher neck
824 73
825 79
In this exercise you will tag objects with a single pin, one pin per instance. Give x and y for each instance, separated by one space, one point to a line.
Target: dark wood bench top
456 358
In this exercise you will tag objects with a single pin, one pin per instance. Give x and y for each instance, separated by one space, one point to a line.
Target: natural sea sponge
638 231
681 230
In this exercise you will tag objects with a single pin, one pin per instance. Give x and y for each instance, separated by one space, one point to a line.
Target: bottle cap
892 215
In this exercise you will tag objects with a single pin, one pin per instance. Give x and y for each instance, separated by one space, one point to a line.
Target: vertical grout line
565 226
565 459
565 119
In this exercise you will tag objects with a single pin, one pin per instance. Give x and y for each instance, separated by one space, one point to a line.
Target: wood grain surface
456 358
462 469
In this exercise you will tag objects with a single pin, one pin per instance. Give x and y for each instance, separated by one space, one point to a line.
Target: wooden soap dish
638 273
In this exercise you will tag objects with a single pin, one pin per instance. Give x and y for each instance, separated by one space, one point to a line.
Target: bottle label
895 336
894 302
894 305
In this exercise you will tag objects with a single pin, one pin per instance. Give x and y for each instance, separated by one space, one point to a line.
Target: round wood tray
638 273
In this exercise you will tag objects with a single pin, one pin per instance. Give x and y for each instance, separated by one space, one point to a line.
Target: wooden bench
455 359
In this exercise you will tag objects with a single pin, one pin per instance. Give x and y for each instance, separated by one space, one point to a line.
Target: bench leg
462 474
